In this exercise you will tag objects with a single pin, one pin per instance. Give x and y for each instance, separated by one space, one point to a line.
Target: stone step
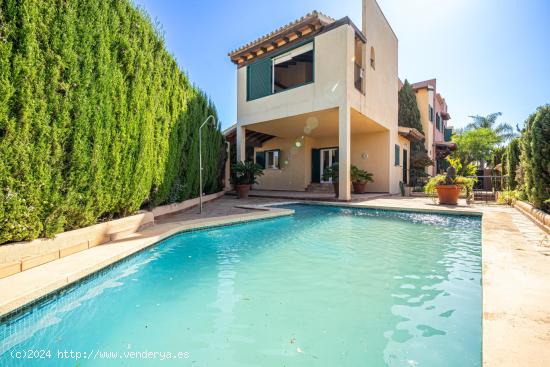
320 188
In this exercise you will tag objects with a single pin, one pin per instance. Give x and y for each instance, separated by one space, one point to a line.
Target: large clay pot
448 194
359 187
242 191
336 188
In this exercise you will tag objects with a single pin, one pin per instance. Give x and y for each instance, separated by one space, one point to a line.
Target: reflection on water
328 286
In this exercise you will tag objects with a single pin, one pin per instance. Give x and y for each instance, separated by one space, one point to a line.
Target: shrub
96 118
360 175
507 197
246 173
466 184
332 173
512 162
535 157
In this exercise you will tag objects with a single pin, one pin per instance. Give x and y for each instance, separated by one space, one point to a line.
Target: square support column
227 179
344 153
241 144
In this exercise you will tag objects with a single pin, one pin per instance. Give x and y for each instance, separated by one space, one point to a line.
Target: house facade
434 116
320 91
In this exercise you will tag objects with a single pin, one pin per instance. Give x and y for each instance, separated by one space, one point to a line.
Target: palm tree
503 130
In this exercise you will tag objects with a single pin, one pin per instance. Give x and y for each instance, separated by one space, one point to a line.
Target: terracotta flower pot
336 188
242 191
448 194
359 187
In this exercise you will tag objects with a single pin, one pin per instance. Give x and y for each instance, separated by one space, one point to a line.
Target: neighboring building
319 91
434 116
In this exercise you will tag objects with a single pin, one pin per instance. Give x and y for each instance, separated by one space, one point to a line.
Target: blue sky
487 55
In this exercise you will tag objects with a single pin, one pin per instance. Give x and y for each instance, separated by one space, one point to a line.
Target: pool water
328 286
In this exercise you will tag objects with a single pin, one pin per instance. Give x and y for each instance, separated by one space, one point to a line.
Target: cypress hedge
96 118
535 157
512 161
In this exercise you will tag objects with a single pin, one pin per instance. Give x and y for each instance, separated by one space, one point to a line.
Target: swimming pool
328 286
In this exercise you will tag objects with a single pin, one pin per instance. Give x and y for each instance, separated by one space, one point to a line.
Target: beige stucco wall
327 91
368 151
333 86
424 99
382 83
293 163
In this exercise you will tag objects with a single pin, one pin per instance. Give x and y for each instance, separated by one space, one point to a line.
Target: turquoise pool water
326 287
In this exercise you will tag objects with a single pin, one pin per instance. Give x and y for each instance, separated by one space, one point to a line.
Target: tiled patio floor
304 195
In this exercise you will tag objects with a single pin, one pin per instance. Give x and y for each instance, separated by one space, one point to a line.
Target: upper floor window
438 121
293 68
372 58
280 72
431 113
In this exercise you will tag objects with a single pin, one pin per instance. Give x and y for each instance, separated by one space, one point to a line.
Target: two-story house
319 91
434 116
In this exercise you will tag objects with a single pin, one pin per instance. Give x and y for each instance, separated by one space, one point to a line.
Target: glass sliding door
329 156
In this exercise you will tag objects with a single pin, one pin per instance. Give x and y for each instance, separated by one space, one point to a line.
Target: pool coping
23 290
446 210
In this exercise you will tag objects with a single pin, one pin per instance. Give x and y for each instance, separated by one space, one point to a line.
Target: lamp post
211 117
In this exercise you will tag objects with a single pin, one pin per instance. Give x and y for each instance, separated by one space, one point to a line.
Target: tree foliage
503 131
535 157
409 116
96 118
475 145
512 161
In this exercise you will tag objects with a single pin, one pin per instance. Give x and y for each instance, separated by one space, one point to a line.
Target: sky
487 55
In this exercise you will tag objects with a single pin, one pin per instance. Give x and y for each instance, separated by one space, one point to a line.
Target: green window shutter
259 79
397 158
315 165
260 158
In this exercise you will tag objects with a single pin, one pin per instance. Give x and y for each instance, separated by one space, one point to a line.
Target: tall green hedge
512 161
535 157
96 118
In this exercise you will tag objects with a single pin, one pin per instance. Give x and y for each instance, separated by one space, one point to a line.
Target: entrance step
320 188
484 196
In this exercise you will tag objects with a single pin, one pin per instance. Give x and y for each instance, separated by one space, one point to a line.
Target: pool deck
516 268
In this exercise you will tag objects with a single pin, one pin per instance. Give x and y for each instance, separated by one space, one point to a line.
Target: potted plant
331 173
244 176
359 179
449 186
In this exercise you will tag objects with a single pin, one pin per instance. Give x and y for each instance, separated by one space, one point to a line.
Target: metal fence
487 186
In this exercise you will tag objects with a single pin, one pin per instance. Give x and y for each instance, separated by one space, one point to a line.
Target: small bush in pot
449 187
331 173
245 174
360 178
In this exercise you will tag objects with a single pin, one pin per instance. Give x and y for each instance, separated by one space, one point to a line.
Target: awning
253 138
446 145
410 133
